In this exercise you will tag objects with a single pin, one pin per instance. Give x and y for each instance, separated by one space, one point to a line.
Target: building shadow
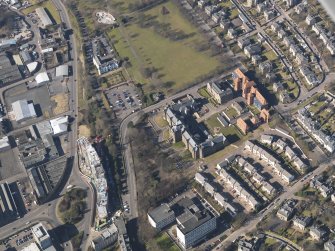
132 230
62 234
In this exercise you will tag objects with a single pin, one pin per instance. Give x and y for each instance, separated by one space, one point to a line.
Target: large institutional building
251 93
184 127
194 222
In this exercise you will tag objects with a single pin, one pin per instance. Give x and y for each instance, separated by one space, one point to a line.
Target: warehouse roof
59 125
62 70
23 110
42 78
32 66
43 15
161 212
4 142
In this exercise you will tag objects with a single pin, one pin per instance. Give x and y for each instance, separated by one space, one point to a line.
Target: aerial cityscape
166 125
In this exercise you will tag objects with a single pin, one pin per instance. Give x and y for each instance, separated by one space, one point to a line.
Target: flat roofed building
194 225
104 57
8 73
60 125
42 237
62 71
42 78
23 110
161 216
4 144
106 238
221 92
43 128
8 208
44 17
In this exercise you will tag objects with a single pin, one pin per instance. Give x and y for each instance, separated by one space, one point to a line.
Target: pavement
47 212
250 225
127 155
76 177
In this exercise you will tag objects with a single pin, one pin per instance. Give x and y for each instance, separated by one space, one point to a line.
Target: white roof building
23 110
60 125
32 66
62 70
47 50
42 78
266 139
42 237
200 178
44 17
91 166
4 144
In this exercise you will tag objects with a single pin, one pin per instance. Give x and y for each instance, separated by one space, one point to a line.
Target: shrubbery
72 206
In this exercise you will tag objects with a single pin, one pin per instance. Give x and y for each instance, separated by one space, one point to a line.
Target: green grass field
176 62
165 243
49 6
270 55
203 92
231 112
316 107
230 132
254 110
226 3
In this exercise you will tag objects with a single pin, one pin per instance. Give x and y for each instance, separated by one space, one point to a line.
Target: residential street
288 193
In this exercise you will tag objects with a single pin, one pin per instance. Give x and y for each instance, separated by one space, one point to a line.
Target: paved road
127 155
289 193
47 212
131 178
76 178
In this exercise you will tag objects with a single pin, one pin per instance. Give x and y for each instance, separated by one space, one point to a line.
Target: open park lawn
230 132
49 6
163 49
